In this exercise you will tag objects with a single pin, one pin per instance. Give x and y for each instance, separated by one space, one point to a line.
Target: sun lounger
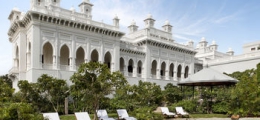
82 116
102 115
123 115
180 111
51 116
166 112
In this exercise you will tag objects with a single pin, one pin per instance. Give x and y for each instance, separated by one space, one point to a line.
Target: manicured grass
114 115
209 115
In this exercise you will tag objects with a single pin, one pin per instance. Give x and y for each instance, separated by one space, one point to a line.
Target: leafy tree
7 79
147 94
18 111
30 93
6 91
244 98
93 82
55 90
172 93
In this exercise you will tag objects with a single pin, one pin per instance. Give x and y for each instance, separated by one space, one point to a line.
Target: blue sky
231 23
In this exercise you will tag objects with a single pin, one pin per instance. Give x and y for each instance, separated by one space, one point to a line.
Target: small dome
116 17
203 39
87 1
72 8
214 42
149 16
230 50
166 22
133 22
16 9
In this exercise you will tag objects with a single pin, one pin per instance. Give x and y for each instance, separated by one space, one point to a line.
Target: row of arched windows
47 56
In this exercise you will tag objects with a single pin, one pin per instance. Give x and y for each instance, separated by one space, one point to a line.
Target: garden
95 87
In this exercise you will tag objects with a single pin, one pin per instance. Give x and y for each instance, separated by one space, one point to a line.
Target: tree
6 91
55 90
93 82
172 94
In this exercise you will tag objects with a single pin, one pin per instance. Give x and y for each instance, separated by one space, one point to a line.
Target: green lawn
114 115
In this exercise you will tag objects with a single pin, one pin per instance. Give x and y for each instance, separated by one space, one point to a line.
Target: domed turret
149 21
132 28
167 27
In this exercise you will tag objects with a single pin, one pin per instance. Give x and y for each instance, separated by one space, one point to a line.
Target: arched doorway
47 56
16 60
94 56
80 55
162 72
139 68
64 55
179 72
153 69
122 65
130 67
107 59
186 74
171 72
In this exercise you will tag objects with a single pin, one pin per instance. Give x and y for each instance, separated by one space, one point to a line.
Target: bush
146 113
188 105
18 111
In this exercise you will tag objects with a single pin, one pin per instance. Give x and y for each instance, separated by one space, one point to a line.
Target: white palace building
51 40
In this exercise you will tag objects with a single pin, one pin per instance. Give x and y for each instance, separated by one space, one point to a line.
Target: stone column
158 76
134 71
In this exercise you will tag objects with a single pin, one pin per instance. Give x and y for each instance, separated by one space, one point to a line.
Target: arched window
139 68
64 55
94 56
186 74
130 66
17 57
163 69
179 71
122 65
107 59
47 56
80 55
171 72
153 69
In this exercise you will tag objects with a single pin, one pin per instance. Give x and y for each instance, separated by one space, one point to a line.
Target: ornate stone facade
51 40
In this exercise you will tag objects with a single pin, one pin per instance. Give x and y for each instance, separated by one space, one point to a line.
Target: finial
166 22
133 22
149 16
203 39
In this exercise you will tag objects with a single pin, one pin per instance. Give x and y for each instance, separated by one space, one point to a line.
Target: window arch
64 55
108 59
179 71
186 74
154 67
122 64
171 72
47 56
162 72
94 56
130 66
80 55
139 68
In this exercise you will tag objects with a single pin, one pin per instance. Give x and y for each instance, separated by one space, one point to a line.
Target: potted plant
235 117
